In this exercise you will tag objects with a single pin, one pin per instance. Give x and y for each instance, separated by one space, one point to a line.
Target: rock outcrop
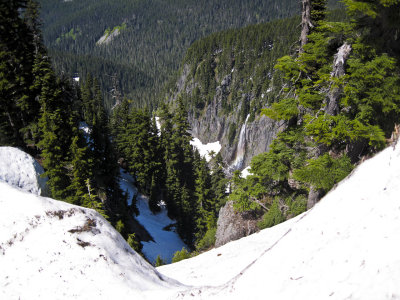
233 225
213 125
107 38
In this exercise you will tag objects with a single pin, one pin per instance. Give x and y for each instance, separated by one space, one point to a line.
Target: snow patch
206 149
246 172
21 170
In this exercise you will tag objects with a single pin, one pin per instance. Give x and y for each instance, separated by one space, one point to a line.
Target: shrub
208 240
273 217
134 243
159 261
180 255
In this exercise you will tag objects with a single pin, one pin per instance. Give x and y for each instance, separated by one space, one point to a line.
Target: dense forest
247 57
336 92
150 46
167 169
42 113
339 102
64 125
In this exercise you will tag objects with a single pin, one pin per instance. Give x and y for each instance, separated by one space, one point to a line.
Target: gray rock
213 124
233 225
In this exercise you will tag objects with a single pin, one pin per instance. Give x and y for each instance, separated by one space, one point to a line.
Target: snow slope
21 170
53 250
346 247
165 243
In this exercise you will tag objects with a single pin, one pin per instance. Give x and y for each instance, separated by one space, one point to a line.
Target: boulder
233 225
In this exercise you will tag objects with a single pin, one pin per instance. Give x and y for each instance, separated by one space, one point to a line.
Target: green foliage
90 200
180 255
155 40
327 114
218 182
120 226
134 243
296 206
247 192
273 217
109 31
72 34
159 261
283 110
208 240
324 171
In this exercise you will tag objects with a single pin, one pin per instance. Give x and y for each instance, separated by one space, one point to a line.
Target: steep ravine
251 137
228 78
256 135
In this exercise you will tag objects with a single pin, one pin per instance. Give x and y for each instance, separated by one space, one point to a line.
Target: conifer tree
206 210
17 103
341 102
79 173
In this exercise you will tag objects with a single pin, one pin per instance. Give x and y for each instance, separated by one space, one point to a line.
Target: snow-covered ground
206 149
53 250
346 247
21 170
166 242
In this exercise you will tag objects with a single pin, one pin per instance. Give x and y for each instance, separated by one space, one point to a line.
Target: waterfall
241 148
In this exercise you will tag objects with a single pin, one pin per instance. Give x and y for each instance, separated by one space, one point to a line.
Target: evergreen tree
340 102
79 173
206 210
18 109
56 127
218 182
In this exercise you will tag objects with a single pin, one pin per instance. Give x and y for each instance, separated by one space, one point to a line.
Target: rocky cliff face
233 225
226 80
251 137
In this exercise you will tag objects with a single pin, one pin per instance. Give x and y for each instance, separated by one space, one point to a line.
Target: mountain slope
155 36
53 250
225 81
346 247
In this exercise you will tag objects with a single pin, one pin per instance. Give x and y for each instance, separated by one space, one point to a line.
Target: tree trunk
306 24
331 108
332 101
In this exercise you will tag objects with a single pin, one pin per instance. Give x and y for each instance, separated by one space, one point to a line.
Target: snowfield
53 250
346 247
